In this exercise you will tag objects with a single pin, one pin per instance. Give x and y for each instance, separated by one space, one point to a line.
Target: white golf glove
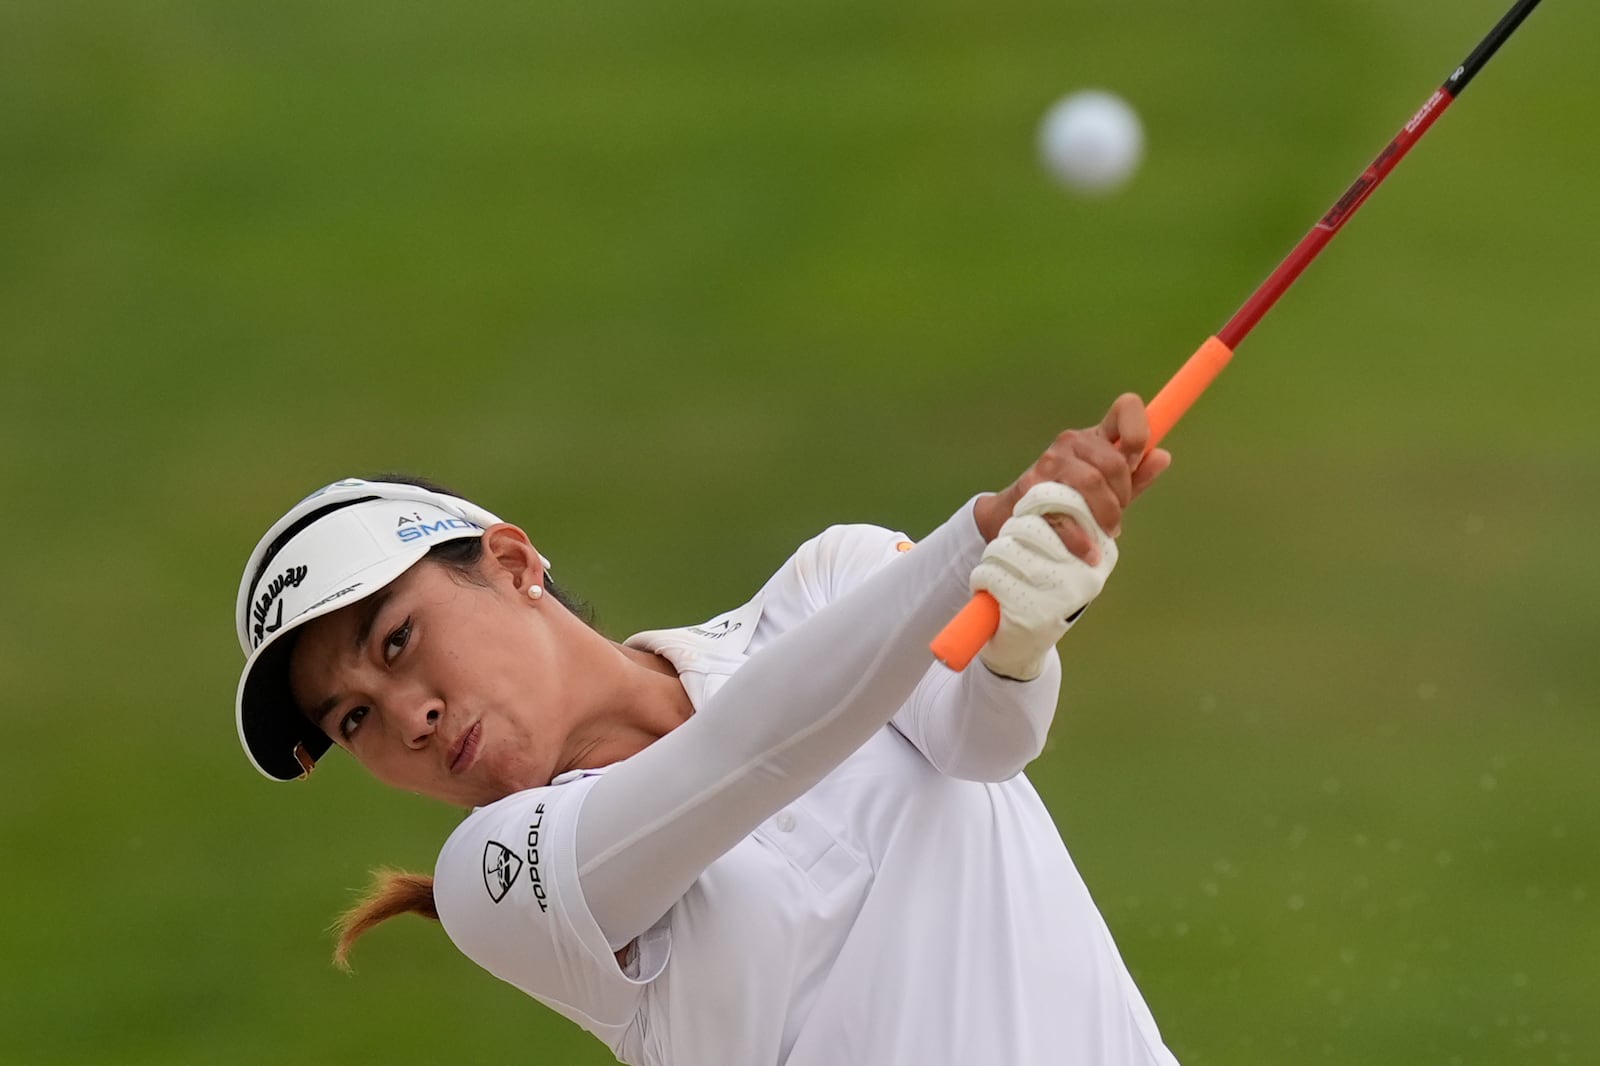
1040 586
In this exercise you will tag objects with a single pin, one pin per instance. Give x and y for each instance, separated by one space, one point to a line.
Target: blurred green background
675 286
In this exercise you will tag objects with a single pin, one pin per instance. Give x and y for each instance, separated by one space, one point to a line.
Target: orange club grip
1179 394
966 634
959 642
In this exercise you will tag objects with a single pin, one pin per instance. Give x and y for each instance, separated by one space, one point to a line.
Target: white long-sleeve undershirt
797 709
973 725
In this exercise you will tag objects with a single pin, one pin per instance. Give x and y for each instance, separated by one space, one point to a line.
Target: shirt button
785 822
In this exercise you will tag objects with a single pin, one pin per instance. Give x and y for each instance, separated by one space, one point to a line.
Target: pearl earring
535 591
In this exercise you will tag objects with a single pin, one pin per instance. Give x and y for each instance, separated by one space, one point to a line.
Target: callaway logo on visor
290 578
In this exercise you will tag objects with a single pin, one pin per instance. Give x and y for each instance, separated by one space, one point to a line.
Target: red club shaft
1267 293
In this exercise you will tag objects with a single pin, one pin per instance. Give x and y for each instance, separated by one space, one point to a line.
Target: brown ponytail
391 893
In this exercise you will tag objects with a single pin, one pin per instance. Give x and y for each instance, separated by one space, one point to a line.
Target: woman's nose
421 723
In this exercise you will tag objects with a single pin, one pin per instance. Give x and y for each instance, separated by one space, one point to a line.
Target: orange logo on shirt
904 546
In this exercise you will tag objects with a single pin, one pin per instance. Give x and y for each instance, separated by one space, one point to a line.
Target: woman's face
440 685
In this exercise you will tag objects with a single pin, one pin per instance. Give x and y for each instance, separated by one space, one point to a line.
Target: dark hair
394 892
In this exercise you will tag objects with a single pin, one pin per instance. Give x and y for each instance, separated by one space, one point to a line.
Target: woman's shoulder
508 894
506 843
835 561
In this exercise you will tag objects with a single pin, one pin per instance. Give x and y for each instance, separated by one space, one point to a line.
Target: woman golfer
783 836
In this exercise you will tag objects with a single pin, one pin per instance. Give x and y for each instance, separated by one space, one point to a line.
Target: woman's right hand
1102 463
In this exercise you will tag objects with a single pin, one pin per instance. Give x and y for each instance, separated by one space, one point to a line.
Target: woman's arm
800 706
790 715
979 726
974 724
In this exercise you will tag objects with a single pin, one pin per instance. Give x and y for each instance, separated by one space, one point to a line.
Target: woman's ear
509 557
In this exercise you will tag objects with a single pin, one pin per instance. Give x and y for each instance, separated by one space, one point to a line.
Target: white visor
334 548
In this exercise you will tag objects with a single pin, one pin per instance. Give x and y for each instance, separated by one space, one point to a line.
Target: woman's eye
351 720
397 640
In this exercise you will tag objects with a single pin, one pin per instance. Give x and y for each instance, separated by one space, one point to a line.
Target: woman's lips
465 749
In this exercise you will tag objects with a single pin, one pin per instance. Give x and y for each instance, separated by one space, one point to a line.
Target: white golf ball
1092 141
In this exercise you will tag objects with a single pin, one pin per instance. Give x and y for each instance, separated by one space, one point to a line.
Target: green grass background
675 286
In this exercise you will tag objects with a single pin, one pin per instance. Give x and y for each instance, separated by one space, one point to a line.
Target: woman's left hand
1102 463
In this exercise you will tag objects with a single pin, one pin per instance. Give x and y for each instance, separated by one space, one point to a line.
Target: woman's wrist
990 512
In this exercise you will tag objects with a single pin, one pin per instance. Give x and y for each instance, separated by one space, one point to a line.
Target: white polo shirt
891 914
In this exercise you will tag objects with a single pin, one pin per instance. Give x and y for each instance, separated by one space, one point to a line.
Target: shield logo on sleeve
500 869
